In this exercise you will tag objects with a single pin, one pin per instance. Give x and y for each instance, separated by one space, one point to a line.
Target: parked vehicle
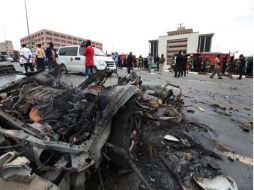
6 58
72 58
11 59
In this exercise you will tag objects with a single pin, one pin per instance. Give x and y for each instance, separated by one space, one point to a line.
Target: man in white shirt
26 55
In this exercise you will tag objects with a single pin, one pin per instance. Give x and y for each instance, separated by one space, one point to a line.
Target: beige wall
44 36
6 47
192 42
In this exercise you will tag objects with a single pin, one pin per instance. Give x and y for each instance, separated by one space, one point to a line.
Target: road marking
243 159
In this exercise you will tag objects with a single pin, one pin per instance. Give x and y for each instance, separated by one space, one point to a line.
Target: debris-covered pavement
141 132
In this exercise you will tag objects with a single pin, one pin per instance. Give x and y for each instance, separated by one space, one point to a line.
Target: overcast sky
127 25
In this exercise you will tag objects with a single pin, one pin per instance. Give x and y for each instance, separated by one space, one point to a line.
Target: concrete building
180 40
6 48
45 36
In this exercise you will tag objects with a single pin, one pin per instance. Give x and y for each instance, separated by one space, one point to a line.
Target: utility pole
28 26
4 33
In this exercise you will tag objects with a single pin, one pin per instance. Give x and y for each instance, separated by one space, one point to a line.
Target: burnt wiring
17 113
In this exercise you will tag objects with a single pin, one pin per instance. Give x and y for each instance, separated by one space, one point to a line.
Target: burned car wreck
56 133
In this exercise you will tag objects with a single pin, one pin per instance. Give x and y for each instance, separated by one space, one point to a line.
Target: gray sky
127 25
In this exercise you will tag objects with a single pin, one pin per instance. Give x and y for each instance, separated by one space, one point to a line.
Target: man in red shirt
89 62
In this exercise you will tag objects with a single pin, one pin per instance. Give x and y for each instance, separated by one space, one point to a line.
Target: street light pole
4 33
27 25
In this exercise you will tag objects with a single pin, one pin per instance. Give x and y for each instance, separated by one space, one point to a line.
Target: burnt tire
124 125
65 69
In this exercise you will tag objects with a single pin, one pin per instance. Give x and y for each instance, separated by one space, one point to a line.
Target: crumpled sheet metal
162 103
13 167
221 182
6 158
168 114
163 95
15 174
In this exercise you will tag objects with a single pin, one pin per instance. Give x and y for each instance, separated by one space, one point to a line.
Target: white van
74 61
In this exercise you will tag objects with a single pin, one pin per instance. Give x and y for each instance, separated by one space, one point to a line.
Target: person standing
224 64
199 63
162 61
184 64
51 56
115 58
189 64
212 63
195 63
89 61
231 67
26 55
157 61
149 62
241 66
40 55
129 63
178 65
122 57
141 62
134 61
249 67
206 64
216 68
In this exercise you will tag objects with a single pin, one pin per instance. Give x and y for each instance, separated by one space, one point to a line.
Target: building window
208 43
68 51
48 33
201 43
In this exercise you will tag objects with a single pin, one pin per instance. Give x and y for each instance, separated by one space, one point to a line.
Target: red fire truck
209 57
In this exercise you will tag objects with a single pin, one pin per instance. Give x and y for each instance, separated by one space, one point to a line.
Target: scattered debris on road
59 136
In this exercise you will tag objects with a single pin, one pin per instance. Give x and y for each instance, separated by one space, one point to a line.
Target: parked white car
6 58
73 59
11 59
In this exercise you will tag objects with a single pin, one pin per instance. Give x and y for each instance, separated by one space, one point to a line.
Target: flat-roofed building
45 36
6 48
180 40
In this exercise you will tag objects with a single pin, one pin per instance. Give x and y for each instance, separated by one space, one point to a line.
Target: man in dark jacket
157 61
199 63
179 64
129 62
241 66
224 64
51 56
184 64
231 67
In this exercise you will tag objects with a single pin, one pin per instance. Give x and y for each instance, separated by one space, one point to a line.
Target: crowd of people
130 61
40 58
182 63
